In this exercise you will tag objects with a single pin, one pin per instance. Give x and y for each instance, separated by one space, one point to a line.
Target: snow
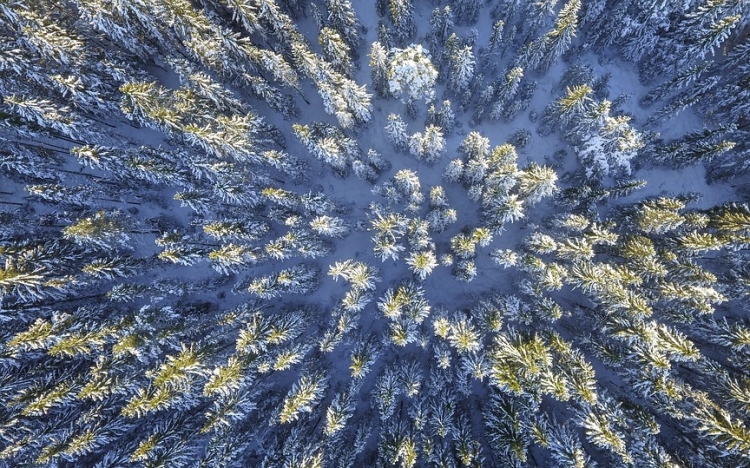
413 76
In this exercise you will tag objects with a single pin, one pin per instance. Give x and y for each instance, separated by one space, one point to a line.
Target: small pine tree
422 263
343 19
105 230
441 26
401 14
302 398
396 131
462 65
379 66
429 146
335 51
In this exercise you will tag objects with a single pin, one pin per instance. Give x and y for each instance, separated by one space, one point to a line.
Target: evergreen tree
401 14
466 11
422 263
344 20
461 70
302 398
103 230
559 38
428 146
335 51
396 131
504 91
412 72
441 26
379 65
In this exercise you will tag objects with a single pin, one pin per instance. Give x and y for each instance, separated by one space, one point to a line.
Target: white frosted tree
467 11
396 131
303 397
401 13
329 226
559 38
422 263
343 19
537 182
441 26
379 69
504 91
412 73
335 51
428 146
462 65
610 146
357 100
454 170
364 171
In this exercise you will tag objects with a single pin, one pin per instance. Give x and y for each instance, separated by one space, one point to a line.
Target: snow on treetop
411 71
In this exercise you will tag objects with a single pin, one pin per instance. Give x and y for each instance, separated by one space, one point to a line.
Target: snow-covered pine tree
559 38
336 51
411 72
379 65
462 65
396 132
504 91
428 146
343 19
466 11
441 26
401 14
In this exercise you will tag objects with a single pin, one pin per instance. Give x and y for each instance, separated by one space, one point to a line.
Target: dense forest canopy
338 233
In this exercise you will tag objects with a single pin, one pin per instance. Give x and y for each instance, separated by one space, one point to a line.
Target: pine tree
731 219
329 226
396 131
422 263
660 215
232 258
302 397
441 26
344 20
111 268
464 337
301 279
411 72
559 38
461 66
364 171
732 437
566 447
429 146
105 230
465 270
58 193
335 51
20 279
682 79
339 412
327 144
537 182
360 275
385 393
401 14
466 11
357 100
505 91
504 419
379 65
